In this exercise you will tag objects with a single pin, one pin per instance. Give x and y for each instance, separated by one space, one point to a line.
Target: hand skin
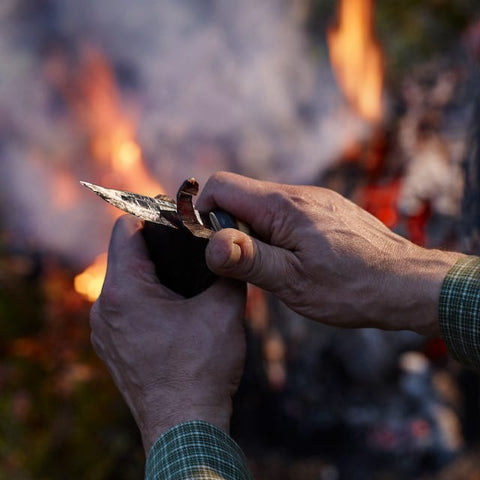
173 359
325 257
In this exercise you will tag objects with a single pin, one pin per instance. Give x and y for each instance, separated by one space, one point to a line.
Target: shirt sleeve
459 311
196 450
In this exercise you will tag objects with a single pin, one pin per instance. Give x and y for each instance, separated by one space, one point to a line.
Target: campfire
95 100
171 92
356 57
93 95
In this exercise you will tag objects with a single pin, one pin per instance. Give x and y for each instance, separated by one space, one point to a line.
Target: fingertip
123 229
129 222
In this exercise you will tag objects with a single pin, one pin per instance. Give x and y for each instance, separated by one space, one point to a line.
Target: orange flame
96 101
356 57
89 283
112 131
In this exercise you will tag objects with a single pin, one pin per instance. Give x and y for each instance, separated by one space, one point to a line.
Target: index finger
252 201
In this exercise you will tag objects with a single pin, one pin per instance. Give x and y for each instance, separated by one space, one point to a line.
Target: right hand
324 256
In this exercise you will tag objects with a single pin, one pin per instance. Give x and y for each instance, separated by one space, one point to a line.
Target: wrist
416 287
156 424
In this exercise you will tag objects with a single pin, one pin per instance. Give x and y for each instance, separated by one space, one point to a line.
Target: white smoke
219 84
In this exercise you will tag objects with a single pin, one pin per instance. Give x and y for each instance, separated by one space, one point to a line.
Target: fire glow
89 283
356 57
112 146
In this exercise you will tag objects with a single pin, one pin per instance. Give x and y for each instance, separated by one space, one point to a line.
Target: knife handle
221 219
179 256
179 259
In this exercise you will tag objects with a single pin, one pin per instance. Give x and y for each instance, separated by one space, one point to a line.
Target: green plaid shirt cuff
459 311
196 451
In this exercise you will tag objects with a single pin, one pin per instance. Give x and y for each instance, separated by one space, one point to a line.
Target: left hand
173 359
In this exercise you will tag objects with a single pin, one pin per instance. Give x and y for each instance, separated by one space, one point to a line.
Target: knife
175 232
163 210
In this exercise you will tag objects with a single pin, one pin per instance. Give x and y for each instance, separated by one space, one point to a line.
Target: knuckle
220 175
217 178
211 189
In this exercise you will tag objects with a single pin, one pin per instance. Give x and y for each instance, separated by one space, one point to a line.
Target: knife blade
164 210
161 209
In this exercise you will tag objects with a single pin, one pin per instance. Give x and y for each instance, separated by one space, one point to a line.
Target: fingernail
235 253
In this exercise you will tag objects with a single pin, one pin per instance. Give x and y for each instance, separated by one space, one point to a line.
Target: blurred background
375 99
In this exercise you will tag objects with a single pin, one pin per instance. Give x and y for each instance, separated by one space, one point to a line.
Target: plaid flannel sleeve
196 451
459 311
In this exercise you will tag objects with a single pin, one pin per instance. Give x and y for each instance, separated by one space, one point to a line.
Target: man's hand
325 257
173 359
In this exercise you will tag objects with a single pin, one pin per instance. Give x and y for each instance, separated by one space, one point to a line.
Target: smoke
215 85
235 74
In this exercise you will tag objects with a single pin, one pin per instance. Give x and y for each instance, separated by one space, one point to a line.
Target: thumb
231 253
